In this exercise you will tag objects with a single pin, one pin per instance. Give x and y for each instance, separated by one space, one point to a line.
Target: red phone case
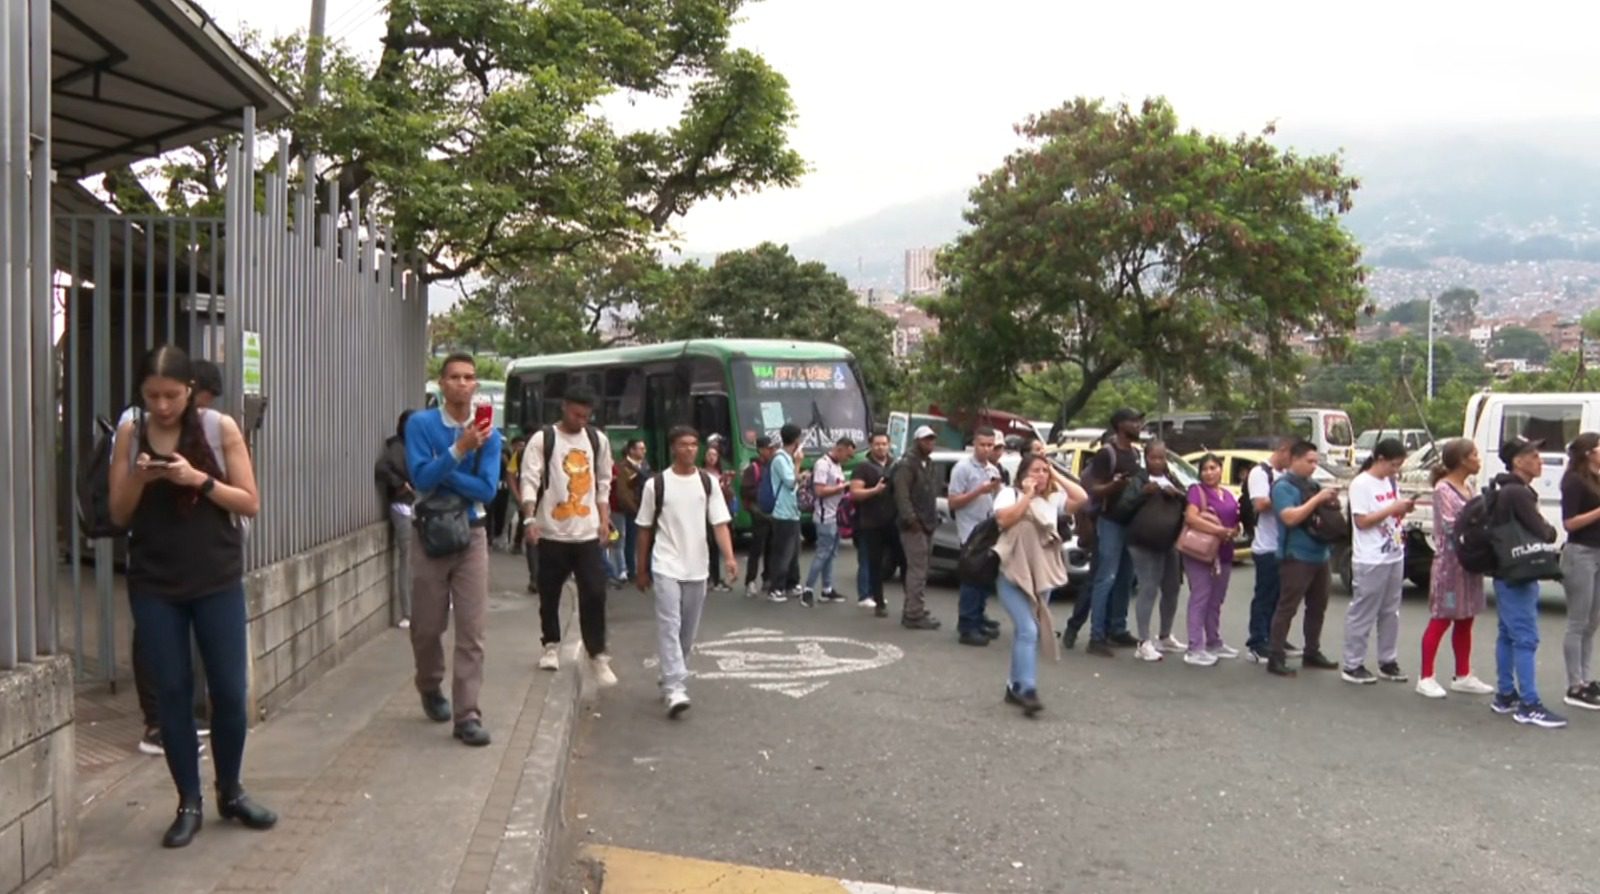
483 414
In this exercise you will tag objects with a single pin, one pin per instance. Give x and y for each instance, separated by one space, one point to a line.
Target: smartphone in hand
483 415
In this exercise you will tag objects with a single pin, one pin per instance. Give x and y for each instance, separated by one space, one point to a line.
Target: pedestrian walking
783 567
677 509
1580 566
453 455
1213 511
394 479
1378 552
1264 543
1031 566
1152 508
1303 566
500 507
916 500
973 484
829 484
1517 601
1455 596
566 489
519 446
1107 475
875 516
758 567
632 473
180 479
716 467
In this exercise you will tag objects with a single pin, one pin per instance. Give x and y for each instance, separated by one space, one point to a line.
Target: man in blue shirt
1303 569
784 568
973 483
447 451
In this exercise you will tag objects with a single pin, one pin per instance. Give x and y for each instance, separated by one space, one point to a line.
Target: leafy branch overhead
1117 240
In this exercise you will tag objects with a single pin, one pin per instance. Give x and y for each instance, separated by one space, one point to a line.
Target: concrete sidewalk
371 796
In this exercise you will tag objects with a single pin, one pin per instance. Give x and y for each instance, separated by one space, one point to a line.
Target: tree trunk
1079 398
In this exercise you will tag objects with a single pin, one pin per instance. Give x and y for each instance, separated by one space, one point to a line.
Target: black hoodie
1515 499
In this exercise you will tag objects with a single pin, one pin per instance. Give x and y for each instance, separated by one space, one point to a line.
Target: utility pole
1430 348
318 33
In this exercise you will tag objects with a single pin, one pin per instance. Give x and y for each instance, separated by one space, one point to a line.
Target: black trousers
783 557
582 561
760 541
874 559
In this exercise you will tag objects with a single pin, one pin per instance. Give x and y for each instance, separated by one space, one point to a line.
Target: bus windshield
823 397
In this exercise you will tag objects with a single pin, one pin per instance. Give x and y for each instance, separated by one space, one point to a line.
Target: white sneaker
405 624
1169 643
1147 651
866 604
677 703
1428 687
551 659
1471 685
751 591
1224 651
777 596
602 670
1200 659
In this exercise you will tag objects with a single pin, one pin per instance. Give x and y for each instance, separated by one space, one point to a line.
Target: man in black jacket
916 500
394 480
1518 604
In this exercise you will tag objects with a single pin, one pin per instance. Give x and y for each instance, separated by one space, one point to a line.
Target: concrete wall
38 813
308 612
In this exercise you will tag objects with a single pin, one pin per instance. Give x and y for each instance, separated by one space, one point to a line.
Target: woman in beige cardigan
1031 566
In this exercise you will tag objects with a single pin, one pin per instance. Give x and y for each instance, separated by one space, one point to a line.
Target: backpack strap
211 422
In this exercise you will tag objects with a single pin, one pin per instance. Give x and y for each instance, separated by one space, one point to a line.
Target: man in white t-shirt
1378 565
1264 552
828 481
674 511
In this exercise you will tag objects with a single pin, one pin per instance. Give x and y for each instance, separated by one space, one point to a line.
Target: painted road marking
642 872
791 665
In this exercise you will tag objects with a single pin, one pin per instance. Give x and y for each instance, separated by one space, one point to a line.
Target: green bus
735 389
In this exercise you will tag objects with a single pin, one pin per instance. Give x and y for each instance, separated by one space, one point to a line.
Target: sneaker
551 659
880 611
1428 687
831 596
1201 658
1358 675
1471 685
777 596
1224 651
1594 688
1392 672
973 639
1147 651
720 587
677 703
1101 648
1027 700
603 674
866 604
1069 637
1316 661
1256 656
151 743
926 622
1582 697
1124 640
1538 715
751 591
1505 703
405 624
794 592
808 598
1290 650
1169 643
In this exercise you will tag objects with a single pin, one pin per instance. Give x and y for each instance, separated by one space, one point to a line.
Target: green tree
1458 309
764 292
1407 313
1115 241
1519 343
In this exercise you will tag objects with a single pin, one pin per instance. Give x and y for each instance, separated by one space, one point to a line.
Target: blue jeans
1265 601
1113 581
218 625
822 559
973 599
630 547
1518 608
1025 639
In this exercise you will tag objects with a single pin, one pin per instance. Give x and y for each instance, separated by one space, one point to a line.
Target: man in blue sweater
447 452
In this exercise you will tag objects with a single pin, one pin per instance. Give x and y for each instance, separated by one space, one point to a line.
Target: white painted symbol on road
791 664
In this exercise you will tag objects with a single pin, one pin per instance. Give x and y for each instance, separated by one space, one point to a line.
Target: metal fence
27 426
320 334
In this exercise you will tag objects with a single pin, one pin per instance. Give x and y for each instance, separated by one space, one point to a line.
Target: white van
1329 429
1557 419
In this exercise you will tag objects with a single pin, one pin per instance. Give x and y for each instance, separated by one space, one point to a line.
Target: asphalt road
910 771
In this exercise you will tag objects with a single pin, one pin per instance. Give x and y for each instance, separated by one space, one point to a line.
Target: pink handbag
1197 544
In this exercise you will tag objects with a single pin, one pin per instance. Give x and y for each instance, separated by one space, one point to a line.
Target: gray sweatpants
679 604
1376 601
400 605
1580 568
1155 572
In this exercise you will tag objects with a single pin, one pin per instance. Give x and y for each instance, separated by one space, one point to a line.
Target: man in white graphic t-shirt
1377 565
674 553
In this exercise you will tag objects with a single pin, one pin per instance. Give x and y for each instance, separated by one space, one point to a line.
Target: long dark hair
169 362
1451 456
1578 460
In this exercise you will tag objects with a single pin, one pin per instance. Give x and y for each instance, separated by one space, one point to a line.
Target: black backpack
94 483
1327 523
1247 503
1472 536
979 564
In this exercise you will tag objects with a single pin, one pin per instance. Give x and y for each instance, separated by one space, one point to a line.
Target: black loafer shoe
471 732
1124 640
974 639
185 826
436 706
237 805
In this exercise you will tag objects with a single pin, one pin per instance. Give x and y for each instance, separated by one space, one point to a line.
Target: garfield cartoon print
575 465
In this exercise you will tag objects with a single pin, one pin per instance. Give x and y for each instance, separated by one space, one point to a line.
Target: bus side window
624 397
712 416
555 385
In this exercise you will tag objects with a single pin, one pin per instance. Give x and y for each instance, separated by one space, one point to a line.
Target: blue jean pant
217 623
971 604
1265 600
1514 650
1113 581
822 558
630 547
1025 638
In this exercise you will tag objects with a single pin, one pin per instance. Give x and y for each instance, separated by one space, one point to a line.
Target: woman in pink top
1212 509
1455 597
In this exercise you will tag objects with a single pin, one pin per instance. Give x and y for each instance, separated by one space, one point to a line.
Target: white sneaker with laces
405 624
1224 651
1471 685
866 604
1169 643
1200 659
677 703
1147 651
1428 687
602 670
551 659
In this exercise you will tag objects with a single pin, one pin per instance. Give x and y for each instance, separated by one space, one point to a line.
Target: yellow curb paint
640 872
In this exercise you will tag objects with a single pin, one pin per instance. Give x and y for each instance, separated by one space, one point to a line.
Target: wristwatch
209 486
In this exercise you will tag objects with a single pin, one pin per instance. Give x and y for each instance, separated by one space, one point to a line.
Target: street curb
527 861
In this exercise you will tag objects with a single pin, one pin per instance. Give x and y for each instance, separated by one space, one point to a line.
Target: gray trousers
404 533
918 544
1580 567
1155 572
679 605
1376 601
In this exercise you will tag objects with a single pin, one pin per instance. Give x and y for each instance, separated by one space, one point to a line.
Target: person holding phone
180 479
1107 475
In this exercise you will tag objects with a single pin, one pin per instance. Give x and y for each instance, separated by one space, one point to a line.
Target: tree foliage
1116 240
1458 309
1519 343
1385 384
1407 313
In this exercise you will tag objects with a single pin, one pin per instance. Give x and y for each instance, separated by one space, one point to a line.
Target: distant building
920 276
912 326
875 297
1505 369
1481 336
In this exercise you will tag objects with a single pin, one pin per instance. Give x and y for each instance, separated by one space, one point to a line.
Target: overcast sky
900 99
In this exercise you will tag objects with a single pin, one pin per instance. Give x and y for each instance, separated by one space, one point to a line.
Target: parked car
1414 440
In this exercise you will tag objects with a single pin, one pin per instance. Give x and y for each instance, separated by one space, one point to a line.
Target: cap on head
1126 414
923 431
1515 447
